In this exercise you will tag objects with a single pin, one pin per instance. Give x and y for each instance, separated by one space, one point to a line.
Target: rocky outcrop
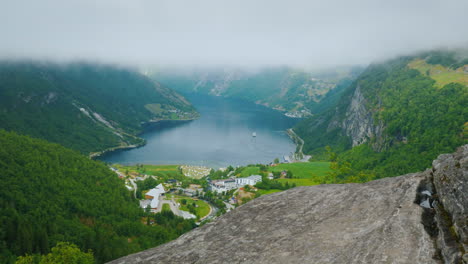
356 122
359 123
375 222
450 179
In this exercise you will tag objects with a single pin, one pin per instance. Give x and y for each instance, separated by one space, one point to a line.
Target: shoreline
162 120
298 156
94 155
144 125
148 124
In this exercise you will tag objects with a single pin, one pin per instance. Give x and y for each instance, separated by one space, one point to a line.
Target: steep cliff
383 221
405 111
358 122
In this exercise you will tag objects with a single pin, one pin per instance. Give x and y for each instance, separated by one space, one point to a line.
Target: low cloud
237 33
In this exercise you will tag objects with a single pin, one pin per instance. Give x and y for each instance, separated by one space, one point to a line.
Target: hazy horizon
210 33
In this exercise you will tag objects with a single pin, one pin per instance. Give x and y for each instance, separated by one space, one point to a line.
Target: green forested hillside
291 90
411 117
50 194
86 107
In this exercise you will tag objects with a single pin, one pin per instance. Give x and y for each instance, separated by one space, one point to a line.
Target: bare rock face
415 218
359 123
450 178
375 222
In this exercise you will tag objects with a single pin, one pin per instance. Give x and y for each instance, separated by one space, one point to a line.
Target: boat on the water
254 134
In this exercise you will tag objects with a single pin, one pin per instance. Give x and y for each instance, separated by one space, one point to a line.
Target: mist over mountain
83 106
243 33
296 92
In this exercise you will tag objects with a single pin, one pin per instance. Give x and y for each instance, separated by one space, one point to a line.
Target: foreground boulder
377 222
450 179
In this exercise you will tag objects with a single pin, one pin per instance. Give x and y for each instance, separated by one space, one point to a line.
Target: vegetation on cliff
86 107
418 117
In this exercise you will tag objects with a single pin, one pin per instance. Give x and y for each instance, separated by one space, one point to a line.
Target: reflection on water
221 137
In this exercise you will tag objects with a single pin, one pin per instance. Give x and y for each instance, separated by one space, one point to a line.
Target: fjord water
222 136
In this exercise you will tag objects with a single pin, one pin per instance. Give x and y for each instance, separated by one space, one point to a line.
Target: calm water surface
221 137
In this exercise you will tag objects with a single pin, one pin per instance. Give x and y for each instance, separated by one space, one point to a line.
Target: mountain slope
297 92
82 106
50 194
374 222
393 119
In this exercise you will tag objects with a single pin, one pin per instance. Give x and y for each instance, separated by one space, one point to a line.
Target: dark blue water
221 137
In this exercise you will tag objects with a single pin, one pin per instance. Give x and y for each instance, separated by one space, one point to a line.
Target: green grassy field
250 171
155 109
202 210
166 207
149 169
263 192
166 171
304 174
300 182
300 170
439 73
305 170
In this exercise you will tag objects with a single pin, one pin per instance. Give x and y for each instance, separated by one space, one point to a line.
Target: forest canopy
50 194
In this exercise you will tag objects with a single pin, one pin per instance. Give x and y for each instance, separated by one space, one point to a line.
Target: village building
152 197
220 186
195 186
225 185
191 192
251 180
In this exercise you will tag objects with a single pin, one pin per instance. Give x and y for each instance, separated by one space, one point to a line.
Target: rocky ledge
415 218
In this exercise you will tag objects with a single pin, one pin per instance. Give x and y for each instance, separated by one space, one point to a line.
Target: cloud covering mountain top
217 32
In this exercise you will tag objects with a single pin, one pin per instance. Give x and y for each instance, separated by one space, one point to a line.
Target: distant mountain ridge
397 116
294 91
87 107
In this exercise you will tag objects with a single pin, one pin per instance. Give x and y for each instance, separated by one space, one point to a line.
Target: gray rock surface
450 178
359 123
375 222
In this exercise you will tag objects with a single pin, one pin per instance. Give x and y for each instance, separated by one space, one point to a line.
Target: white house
220 186
251 180
153 195
271 176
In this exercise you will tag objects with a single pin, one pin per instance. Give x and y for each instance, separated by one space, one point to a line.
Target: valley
221 137
144 165
298 93
212 132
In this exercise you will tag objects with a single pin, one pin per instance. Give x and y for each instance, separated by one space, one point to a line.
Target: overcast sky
229 32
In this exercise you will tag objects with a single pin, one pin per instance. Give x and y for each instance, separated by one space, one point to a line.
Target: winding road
299 140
